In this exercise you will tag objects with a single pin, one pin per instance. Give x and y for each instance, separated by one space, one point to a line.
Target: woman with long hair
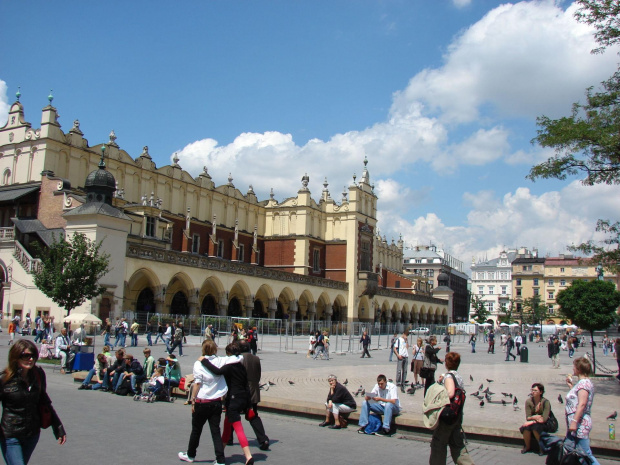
430 361
237 399
23 392
537 412
207 393
577 408
417 354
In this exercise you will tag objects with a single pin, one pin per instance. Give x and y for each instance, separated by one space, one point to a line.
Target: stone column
328 312
273 308
311 311
222 305
293 307
248 307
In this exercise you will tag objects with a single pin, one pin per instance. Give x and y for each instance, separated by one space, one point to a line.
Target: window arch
6 177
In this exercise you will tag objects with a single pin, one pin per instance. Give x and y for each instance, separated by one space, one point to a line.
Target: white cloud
461 3
4 103
522 60
550 221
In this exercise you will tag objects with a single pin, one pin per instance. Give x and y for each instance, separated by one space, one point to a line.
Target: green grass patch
49 361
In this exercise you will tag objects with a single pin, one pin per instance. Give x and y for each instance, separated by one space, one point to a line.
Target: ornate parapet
225 266
412 297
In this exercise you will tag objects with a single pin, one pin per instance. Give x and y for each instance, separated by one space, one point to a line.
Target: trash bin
523 355
531 337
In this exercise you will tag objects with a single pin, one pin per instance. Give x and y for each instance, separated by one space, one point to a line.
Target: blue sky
441 96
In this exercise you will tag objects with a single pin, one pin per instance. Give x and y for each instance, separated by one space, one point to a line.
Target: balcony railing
7 234
31 265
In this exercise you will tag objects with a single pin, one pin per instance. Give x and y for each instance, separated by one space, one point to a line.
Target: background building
426 263
183 245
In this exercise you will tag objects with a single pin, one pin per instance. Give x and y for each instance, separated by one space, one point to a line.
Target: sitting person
63 351
173 370
157 380
537 411
117 368
100 372
382 400
339 400
47 349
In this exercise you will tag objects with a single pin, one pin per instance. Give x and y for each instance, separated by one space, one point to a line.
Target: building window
418 260
518 282
503 306
562 282
365 258
536 291
535 281
551 283
491 290
220 248
504 275
150 227
550 295
561 270
481 290
491 275
195 243
504 290
551 310
6 177
519 308
241 255
316 261
397 284
430 273
519 292
489 306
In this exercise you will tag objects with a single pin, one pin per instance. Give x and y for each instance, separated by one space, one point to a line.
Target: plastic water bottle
612 431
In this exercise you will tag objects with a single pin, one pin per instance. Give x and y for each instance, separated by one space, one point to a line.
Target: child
11 332
158 377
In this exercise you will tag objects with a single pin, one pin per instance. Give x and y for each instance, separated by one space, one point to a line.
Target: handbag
551 425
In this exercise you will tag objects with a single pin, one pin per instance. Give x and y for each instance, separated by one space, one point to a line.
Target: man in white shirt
63 351
518 342
401 349
383 400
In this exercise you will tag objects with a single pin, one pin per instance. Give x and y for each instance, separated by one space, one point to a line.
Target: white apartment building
491 280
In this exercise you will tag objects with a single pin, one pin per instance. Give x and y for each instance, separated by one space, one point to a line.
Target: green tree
588 141
535 312
71 270
507 316
480 311
591 305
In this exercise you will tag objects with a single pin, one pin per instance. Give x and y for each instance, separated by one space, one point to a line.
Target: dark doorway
209 306
146 301
179 305
234 307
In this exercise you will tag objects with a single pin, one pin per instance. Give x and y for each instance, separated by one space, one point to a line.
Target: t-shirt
418 353
401 347
390 392
585 425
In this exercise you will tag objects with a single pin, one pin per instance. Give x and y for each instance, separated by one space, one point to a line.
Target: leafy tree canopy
534 311
71 270
480 311
604 16
591 305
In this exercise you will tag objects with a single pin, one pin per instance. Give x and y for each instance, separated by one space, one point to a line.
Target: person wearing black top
339 400
365 341
430 361
237 398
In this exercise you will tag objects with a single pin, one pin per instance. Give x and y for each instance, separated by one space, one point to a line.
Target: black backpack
452 411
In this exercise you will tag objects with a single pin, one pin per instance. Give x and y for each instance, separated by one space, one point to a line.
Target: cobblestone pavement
106 427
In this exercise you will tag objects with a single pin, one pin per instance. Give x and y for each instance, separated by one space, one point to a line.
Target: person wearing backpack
179 334
451 434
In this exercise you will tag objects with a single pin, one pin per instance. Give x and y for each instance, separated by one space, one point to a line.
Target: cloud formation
4 103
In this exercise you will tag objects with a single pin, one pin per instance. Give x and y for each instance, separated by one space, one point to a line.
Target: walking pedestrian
365 341
392 342
491 349
148 332
509 346
401 349
472 342
518 342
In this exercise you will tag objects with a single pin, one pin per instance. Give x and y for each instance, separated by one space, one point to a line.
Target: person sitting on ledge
382 400
339 400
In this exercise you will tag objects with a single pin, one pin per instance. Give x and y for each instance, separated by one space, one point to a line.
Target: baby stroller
155 393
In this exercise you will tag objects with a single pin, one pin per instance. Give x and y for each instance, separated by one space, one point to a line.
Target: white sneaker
218 463
183 456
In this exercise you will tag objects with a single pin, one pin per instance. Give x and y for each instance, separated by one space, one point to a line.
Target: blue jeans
134 340
134 380
18 451
106 340
39 336
89 377
388 411
175 345
148 339
571 442
159 336
473 347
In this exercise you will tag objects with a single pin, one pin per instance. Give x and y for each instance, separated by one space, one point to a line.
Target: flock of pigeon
480 394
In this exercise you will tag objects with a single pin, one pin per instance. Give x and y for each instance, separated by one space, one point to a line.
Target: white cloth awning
82 318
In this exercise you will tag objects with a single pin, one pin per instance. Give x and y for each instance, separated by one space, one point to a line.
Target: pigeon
487 397
346 381
271 384
363 392
357 393
504 403
505 394
613 416
515 402
391 380
488 391
478 397
480 387
471 378
291 383
411 390
260 386
490 380
482 403
407 382
266 388
475 394
560 400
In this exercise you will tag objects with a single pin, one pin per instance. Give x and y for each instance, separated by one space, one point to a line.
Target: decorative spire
175 160
305 180
18 94
101 162
230 180
271 194
112 141
365 161
50 97
205 172
145 152
251 190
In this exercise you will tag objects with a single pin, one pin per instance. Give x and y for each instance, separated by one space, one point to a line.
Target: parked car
419 331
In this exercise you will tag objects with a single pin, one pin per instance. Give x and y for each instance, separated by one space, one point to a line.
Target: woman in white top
207 392
417 360
518 342
311 343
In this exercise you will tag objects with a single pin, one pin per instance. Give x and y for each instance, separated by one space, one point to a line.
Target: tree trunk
593 354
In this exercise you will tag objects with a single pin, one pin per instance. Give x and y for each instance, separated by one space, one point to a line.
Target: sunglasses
26 356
